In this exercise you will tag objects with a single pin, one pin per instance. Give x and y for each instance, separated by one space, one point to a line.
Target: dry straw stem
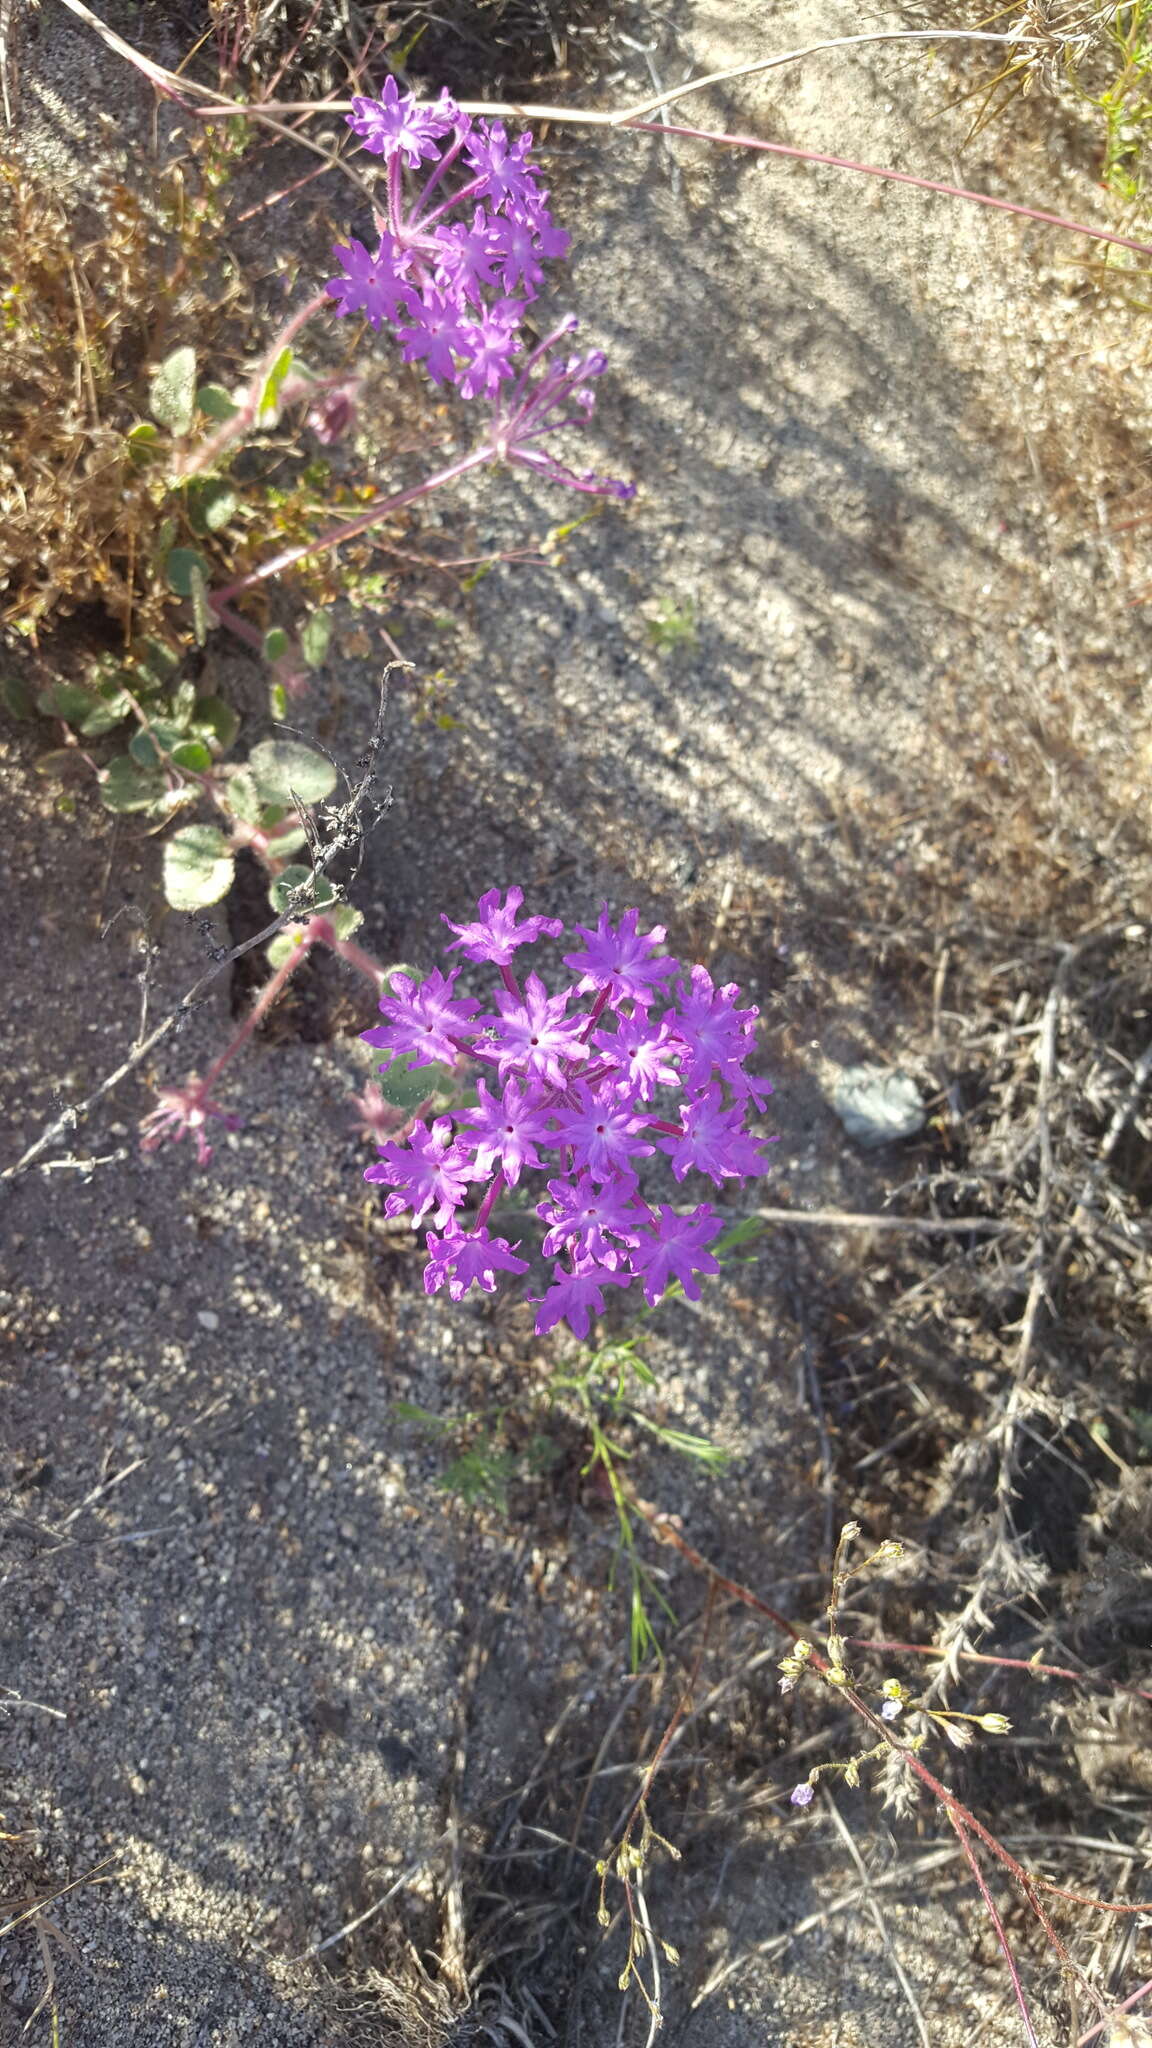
633 117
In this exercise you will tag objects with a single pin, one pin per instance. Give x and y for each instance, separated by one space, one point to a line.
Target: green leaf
289 842
92 712
403 1087
346 920
284 769
211 504
298 877
273 384
182 704
411 1411
314 638
201 621
111 709
181 568
125 787
219 719
197 867
192 755
280 949
63 763
143 443
172 393
274 645
277 701
243 797
66 700
149 748
18 697
215 402
737 1234
156 660
480 1475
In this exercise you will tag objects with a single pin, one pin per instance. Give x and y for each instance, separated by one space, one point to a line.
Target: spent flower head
583 1080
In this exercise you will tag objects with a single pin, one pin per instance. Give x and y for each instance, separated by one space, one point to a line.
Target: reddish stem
844 163
1004 1663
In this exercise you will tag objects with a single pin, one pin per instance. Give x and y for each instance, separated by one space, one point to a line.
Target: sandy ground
276 1670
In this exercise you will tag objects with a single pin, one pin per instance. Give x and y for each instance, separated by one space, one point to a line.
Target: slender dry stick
847 1219
524 110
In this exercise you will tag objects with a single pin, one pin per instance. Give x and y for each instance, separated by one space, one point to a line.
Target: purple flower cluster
454 271
578 1081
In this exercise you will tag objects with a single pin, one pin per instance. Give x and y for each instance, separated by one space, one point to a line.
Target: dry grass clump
90 303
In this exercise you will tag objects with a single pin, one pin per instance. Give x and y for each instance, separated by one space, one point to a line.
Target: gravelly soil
277 1668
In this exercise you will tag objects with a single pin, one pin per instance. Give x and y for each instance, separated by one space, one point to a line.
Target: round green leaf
243 797
215 403
216 717
211 504
172 393
182 567
314 638
125 787
403 1087
275 644
67 700
281 948
143 443
290 879
197 867
284 769
192 755
346 920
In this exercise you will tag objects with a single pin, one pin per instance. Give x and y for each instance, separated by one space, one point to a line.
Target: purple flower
395 125
714 1140
717 1035
441 333
638 1052
468 1261
674 1250
574 1102
584 1216
429 1171
495 935
469 256
490 343
576 1297
377 286
802 1795
533 1036
601 1131
502 165
507 1131
426 1021
616 959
